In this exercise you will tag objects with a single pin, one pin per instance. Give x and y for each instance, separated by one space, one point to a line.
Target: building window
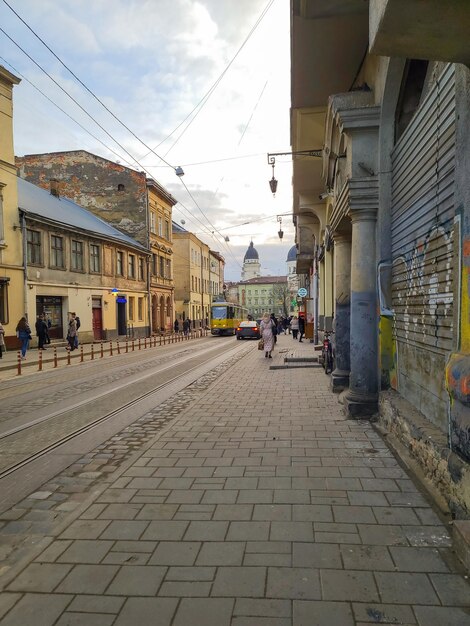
131 308
160 227
57 251
167 230
168 268
33 238
95 265
154 264
141 269
140 309
120 264
121 187
77 255
131 266
153 228
162 267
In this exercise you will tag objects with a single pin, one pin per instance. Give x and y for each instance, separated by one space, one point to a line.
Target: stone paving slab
256 504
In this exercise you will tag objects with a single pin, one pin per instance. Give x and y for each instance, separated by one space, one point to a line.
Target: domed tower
251 264
292 278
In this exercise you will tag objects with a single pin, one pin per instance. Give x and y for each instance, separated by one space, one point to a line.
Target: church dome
251 254
292 254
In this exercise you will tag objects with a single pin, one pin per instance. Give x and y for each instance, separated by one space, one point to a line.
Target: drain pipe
25 263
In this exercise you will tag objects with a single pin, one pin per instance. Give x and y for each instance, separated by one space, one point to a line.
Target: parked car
248 330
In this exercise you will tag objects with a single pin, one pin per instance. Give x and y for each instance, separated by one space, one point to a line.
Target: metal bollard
139 343
40 361
55 356
145 343
127 346
19 363
160 340
101 351
68 357
81 353
92 352
110 348
133 345
118 347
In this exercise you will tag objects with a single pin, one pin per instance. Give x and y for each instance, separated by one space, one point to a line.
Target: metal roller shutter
422 236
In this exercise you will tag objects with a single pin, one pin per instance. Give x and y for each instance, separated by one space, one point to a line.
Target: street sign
302 292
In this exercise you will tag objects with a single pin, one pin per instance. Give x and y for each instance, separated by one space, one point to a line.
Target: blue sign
121 300
302 292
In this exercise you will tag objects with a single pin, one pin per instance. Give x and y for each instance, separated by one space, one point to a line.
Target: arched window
121 187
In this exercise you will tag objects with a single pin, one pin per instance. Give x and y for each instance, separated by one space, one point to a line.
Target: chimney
54 187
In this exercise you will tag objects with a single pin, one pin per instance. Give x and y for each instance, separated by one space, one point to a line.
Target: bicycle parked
326 358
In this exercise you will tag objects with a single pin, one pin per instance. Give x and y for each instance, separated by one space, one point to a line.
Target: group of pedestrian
271 327
186 326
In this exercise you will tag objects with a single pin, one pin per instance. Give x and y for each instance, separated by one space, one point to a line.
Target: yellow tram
225 317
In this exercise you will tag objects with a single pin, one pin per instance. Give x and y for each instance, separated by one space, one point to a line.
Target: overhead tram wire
23 77
206 97
200 105
83 84
88 114
95 121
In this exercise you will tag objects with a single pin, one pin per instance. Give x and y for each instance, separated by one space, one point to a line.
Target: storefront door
51 307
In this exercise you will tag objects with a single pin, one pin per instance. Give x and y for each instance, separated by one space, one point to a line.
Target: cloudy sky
203 83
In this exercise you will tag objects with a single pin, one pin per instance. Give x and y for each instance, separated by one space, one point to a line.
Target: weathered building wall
111 191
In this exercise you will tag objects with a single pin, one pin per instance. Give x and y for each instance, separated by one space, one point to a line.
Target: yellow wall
11 255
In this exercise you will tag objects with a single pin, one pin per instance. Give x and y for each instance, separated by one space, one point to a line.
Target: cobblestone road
245 500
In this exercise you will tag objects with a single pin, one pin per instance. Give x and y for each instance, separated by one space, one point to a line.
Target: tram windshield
219 312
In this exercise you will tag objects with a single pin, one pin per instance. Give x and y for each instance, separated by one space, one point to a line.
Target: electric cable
23 77
85 86
208 94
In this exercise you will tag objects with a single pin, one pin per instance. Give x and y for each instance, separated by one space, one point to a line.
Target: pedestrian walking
294 326
186 325
78 324
267 332
301 328
176 326
72 332
41 331
23 332
2 340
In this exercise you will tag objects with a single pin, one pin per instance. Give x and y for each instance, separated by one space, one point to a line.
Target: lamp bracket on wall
272 161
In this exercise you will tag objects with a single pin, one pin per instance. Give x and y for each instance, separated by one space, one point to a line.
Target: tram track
17 434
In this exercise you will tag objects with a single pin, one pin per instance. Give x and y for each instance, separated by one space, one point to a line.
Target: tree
282 297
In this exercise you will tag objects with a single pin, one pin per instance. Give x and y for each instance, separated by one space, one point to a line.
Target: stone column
341 338
362 397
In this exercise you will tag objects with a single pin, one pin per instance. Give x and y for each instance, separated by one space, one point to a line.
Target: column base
339 380
360 405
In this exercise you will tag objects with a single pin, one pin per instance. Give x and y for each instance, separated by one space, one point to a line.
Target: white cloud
151 62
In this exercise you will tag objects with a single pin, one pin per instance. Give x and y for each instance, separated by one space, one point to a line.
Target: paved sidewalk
258 504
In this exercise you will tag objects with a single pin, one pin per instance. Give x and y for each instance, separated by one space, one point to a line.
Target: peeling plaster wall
111 191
